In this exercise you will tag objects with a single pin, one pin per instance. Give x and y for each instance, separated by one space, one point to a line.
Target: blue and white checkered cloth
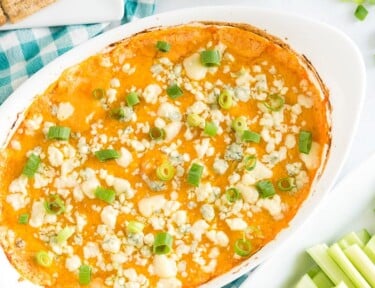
23 52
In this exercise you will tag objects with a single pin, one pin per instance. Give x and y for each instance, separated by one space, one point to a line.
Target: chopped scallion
98 93
163 46
225 100
210 58
117 113
43 259
84 274
64 235
162 243
107 195
156 133
250 136
194 120
23 218
165 171
265 188
210 129
107 154
195 174
239 124
249 162
304 141
361 12
242 247
286 184
55 205
174 91
58 133
232 194
274 102
135 227
31 166
132 99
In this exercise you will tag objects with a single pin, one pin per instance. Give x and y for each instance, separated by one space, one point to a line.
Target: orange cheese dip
233 103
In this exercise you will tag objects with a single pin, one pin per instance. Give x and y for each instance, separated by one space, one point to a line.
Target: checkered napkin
23 52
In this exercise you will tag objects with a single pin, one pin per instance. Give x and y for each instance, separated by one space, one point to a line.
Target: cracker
3 18
19 9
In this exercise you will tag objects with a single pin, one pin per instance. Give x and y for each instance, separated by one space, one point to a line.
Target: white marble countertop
336 13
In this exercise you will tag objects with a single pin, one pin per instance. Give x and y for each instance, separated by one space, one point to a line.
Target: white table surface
336 13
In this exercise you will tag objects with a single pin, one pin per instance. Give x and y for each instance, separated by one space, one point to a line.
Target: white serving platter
349 207
333 54
68 12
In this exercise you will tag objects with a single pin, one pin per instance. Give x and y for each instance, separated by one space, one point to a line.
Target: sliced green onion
361 12
163 243
249 162
286 184
64 235
210 129
55 205
117 113
156 133
304 141
163 46
242 247
58 133
23 218
174 91
194 120
250 136
84 274
165 171
195 174
42 258
135 227
98 93
265 188
107 154
107 195
239 124
31 166
225 100
210 58
232 194
274 102
132 99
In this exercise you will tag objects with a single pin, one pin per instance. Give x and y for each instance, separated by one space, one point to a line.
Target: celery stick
338 255
341 285
364 235
320 255
370 249
362 263
322 281
306 282
350 239
313 271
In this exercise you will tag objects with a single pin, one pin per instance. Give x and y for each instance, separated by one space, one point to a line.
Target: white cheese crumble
125 157
169 283
260 172
272 205
220 166
111 244
236 224
164 266
55 156
249 193
194 68
151 93
198 229
109 216
171 130
64 111
305 101
147 206
311 160
37 214
33 124
218 238
72 263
